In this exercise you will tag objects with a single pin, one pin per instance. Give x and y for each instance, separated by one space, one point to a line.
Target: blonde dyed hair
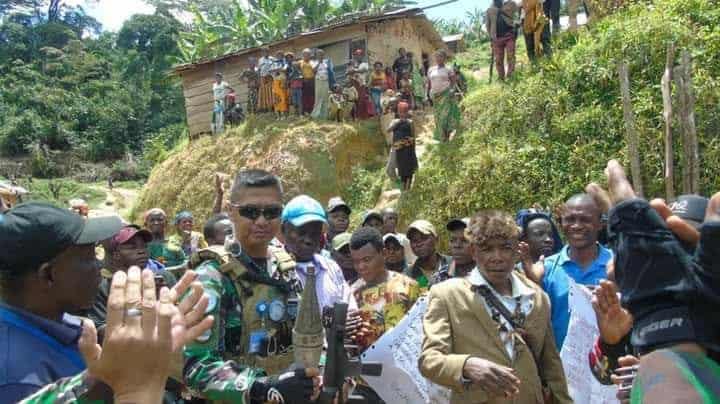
492 224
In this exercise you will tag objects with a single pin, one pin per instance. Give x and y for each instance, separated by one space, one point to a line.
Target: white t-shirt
220 90
322 71
361 73
439 79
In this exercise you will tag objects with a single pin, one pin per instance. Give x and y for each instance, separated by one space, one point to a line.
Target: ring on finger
133 312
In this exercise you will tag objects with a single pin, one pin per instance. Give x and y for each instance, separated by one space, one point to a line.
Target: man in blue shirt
48 268
583 260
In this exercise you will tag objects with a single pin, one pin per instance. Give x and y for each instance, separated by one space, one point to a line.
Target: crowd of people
507 18
283 84
307 86
93 308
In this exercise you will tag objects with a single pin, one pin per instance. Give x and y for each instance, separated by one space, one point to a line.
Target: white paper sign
580 339
398 350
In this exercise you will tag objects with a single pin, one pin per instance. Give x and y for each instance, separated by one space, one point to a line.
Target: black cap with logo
33 233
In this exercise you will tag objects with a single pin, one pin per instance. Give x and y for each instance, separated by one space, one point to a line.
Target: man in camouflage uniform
252 289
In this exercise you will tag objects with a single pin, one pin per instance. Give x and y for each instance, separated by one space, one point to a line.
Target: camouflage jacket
218 366
64 391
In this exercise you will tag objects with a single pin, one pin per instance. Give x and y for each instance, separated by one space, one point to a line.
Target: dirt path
119 201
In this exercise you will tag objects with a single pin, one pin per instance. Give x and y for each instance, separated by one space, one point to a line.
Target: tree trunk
686 105
630 129
666 87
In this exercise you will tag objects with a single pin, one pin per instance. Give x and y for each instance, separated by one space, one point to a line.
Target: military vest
264 302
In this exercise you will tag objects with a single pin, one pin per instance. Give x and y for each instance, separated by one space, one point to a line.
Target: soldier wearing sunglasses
252 288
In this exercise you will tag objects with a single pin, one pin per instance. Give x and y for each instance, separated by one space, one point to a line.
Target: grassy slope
319 159
543 136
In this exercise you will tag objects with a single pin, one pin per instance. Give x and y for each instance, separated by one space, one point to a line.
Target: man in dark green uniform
252 290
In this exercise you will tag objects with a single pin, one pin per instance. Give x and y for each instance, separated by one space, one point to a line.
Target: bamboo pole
666 86
630 129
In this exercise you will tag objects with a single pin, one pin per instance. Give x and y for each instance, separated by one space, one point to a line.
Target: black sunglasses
254 212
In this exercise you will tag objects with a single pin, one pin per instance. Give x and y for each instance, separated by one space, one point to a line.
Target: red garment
365 107
308 96
390 82
503 46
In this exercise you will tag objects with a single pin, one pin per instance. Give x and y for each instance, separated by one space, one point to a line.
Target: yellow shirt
307 70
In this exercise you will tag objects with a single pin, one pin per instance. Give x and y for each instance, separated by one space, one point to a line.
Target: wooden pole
682 114
630 129
692 130
666 86
686 106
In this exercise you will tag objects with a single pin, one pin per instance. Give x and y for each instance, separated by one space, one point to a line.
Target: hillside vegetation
537 139
541 137
319 159
67 88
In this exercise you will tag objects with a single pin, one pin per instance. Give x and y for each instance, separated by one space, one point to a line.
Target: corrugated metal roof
359 19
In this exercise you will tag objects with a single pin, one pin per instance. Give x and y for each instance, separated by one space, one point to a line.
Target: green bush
160 144
365 188
544 135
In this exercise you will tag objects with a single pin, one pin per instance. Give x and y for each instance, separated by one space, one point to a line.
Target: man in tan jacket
488 335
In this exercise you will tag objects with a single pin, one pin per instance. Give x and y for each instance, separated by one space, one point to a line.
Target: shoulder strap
245 272
217 253
493 301
285 261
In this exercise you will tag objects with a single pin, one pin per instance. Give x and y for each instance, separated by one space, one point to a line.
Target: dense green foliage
472 27
543 136
66 86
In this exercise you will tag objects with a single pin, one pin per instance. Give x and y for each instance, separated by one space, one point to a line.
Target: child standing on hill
337 104
406 91
280 87
295 78
351 99
404 145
